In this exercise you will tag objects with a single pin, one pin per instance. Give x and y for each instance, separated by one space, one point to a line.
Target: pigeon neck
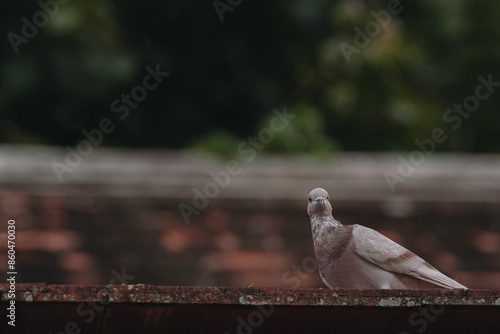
319 224
327 218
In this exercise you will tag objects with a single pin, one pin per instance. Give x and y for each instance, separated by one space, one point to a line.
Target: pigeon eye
328 197
310 200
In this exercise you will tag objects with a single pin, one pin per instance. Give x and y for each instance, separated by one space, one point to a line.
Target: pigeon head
319 203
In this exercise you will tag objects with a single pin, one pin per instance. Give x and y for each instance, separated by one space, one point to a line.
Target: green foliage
305 133
227 76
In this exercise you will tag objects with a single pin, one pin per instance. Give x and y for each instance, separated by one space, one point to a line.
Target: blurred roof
120 208
169 309
174 174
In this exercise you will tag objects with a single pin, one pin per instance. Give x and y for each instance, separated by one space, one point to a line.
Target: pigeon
358 257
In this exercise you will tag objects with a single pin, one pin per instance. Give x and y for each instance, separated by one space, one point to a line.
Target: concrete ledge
45 308
140 293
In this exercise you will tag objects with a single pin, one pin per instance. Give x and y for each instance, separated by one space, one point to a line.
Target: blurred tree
227 76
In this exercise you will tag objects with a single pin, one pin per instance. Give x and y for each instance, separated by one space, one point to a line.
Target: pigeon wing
382 251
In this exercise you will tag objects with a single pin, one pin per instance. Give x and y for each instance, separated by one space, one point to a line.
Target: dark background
226 76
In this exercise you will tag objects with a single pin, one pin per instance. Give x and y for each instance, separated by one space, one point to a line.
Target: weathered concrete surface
140 293
44 308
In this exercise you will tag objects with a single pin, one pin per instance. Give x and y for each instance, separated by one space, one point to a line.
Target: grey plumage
354 256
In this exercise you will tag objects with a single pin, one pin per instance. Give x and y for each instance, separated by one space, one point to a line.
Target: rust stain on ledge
100 309
140 293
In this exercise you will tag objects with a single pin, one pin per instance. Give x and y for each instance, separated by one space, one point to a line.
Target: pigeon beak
319 200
